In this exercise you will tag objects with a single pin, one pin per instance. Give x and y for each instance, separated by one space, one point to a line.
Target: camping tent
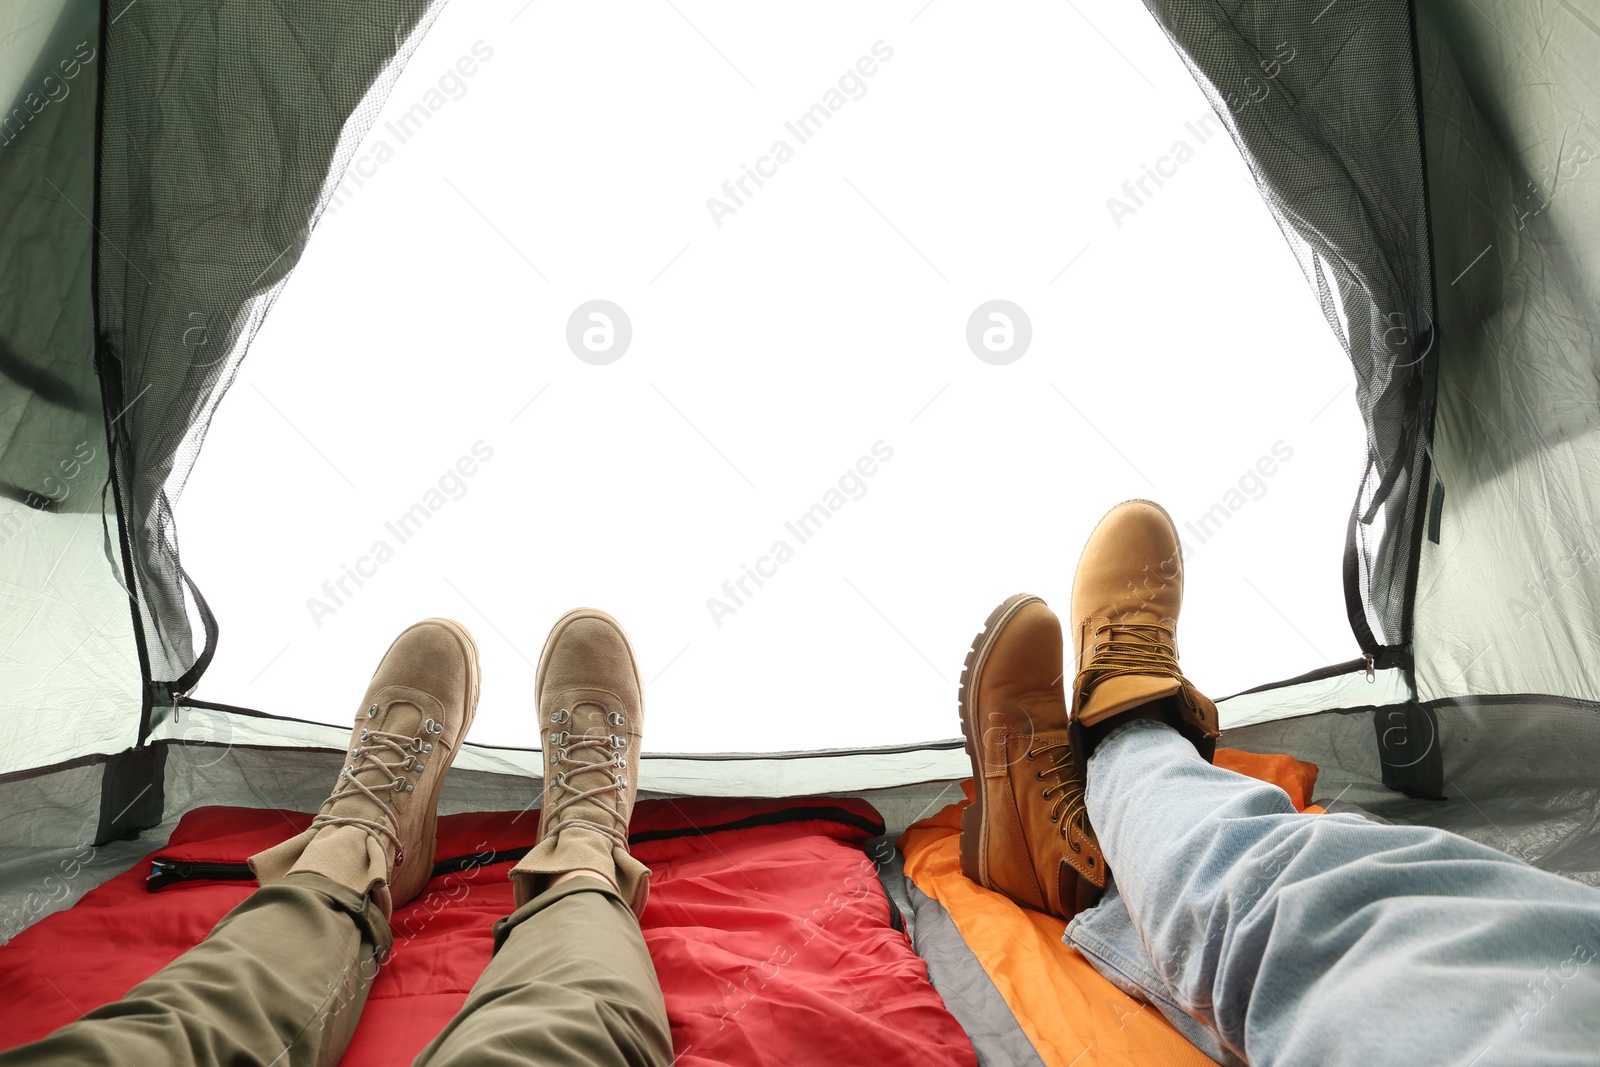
163 168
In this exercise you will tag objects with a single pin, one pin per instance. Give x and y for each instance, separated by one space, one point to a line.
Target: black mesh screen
1321 99
221 126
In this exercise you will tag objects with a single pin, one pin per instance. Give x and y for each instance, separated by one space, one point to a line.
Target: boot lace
1070 809
383 777
612 772
1132 648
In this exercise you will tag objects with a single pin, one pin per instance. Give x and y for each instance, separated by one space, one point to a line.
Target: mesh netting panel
221 127
69 669
1321 99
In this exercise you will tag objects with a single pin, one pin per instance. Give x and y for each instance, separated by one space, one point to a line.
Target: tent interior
1319 277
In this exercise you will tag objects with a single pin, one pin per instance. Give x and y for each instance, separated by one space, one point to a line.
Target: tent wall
1518 775
1321 100
47 856
220 729
222 128
40 875
1509 597
69 665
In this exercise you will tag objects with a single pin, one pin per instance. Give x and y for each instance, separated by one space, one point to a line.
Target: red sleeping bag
773 939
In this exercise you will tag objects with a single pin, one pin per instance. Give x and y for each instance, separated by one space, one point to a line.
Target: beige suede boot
375 833
1026 834
591 712
1126 596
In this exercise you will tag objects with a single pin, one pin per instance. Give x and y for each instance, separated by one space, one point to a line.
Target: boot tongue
588 762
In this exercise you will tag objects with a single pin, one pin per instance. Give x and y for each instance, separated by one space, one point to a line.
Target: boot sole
974 827
430 834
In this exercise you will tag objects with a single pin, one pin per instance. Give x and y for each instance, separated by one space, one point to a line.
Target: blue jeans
1271 937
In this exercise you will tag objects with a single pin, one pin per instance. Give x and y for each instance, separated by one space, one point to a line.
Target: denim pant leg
1310 939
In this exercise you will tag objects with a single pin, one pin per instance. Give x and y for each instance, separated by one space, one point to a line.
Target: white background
827 313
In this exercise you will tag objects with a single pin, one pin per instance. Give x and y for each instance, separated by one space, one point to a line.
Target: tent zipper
169 872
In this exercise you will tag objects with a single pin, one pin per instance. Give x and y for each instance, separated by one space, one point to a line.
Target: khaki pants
282 979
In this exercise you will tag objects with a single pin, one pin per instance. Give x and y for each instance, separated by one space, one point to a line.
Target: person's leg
571 983
280 980
1331 938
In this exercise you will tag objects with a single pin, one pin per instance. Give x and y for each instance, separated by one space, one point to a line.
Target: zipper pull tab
1372 673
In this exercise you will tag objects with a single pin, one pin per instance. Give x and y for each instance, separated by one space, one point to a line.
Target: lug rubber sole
974 827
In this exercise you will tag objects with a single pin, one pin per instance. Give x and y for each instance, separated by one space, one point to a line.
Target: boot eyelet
355 753
1057 818
1038 775
618 741
559 737
1030 755
615 718
558 756
366 734
435 728
400 784
622 781
372 712
560 716
1091 861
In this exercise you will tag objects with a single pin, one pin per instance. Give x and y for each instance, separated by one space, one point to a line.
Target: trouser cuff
581 884
366 912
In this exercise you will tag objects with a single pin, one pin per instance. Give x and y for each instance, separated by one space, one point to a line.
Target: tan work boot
1125 601
591 713
375 833
1027 832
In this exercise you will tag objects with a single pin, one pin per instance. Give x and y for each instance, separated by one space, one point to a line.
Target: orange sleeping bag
1071 1014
